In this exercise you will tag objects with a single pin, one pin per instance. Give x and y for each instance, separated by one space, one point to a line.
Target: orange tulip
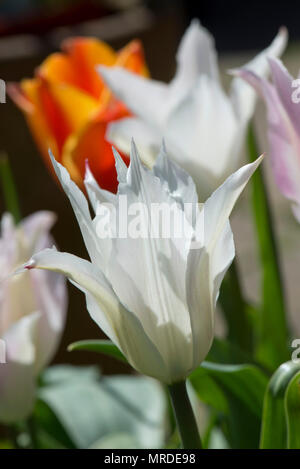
68 106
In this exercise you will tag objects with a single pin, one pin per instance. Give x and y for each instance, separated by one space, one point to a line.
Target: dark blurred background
31 29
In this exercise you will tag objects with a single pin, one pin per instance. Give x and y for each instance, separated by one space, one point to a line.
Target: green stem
184 416
235 310
272 335
9 188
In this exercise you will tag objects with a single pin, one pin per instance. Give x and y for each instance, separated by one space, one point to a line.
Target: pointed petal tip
120 166
23 268
260 158
30 265
118 158
115 153
106 73
52 158
133 149
135 159
284 32
233 71
164 146
195 22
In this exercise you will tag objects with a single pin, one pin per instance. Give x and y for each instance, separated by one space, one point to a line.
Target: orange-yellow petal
90 144
76 106
55 117
85 54
132 57
27 97
68 106
58 68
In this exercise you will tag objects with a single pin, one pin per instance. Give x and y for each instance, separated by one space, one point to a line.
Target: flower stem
184 416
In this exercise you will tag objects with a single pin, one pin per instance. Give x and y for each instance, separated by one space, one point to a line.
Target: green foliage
77 407
271 331
281 413
106 347
235 393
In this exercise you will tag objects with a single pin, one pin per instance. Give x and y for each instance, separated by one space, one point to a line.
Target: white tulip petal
32 313
36 228
192 108
17 299
111 316
200 303
95 193
20 339
84 274
175 181
120 167
134 342
132 89
158 271
218 207
81 210
242 95
17 375
7 244
196 55
122 131
220 259
191 131
207 265
51 297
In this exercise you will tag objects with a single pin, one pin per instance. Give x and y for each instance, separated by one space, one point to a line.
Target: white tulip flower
32 313
154 297
204 128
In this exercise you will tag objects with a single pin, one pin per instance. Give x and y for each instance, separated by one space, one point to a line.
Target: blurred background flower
32 313
191 111
282 102
68 106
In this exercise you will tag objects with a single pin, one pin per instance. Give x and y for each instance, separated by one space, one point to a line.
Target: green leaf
247 383
235 310
92 409
106 347
236 392
272 330
223 351
9 188
274 424
292 409
50 433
